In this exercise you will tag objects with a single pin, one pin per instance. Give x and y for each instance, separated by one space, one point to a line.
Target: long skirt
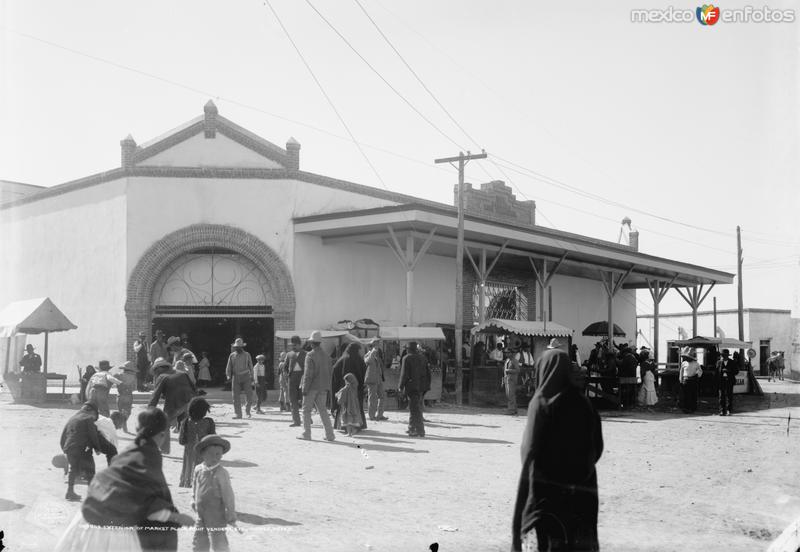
82 537
647 392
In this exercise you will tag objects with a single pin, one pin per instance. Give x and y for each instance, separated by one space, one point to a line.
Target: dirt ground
668 481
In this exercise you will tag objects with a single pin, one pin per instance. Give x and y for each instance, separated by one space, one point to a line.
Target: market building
215 232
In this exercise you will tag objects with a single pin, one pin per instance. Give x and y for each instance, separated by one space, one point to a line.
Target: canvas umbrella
33 316
601 329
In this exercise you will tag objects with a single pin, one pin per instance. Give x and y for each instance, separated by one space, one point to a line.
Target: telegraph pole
741 301
459 323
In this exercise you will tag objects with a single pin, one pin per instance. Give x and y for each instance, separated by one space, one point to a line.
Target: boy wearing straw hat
212 496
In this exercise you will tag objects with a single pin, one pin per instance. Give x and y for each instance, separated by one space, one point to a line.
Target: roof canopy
411 333
523 327
584 256
305 334
33 316
722 343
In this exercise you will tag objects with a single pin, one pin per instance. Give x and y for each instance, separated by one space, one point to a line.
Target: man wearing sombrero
239 372
689 378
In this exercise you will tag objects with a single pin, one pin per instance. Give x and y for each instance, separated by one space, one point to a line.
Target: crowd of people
132 493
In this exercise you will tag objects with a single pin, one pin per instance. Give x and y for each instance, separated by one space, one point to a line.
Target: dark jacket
727 371
177 389
129 490
414 374
560 446
627 365
80 432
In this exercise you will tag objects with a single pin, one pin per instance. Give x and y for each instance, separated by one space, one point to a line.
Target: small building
768 329
215 232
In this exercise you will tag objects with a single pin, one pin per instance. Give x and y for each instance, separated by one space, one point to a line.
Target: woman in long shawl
557 499
351 362
129 507
349 410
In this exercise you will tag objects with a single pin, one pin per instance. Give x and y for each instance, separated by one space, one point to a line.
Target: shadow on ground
255 519
238 464
9 505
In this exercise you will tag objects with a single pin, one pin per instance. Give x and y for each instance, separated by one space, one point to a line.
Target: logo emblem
707 14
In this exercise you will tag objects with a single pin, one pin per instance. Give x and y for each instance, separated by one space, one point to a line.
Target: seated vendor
497 353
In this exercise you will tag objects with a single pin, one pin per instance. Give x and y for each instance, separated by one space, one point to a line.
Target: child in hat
349 411
192 432
212 495
129 381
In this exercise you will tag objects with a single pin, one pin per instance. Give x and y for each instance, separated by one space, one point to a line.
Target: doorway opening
763 356
214 335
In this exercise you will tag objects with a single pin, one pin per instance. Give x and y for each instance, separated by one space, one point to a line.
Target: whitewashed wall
578 302
71 248
352 281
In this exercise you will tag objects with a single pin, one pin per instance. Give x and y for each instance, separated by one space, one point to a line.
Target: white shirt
496 354
106 427
527 358
260 370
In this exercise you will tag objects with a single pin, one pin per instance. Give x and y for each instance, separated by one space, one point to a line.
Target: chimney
633 240
293 154
210 110
128 147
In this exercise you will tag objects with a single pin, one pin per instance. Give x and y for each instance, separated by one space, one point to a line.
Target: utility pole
459 322
741 301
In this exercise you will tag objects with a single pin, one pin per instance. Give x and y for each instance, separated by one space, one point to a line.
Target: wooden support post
482 273
46 335
657 292
409 280
543 279
408 258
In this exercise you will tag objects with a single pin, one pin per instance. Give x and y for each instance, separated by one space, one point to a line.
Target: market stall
708 351
33 316
429 339
486 375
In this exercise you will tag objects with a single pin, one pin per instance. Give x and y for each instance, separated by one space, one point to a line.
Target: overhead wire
324 93
573 151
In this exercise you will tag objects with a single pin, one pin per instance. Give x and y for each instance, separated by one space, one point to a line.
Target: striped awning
523 327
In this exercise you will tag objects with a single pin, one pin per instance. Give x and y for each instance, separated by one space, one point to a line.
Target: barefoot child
349 411
212 496
192 432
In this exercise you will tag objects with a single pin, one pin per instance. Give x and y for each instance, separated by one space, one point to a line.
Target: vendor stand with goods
530 338
708 351
33 316
429 339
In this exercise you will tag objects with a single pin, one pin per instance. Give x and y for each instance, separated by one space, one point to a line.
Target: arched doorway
213 283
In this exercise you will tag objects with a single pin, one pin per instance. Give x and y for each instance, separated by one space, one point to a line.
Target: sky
689 130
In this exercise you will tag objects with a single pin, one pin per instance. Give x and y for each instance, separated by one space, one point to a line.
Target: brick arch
198 236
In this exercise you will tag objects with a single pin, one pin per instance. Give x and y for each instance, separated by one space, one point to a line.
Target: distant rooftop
12 191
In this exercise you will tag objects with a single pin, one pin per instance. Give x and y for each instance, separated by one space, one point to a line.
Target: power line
368 64
416 76
572 151
322 89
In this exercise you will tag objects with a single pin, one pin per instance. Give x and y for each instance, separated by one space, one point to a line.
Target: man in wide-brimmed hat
239 372
295 364
158 349
727 369
31 362
689 377
316 384
373 379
